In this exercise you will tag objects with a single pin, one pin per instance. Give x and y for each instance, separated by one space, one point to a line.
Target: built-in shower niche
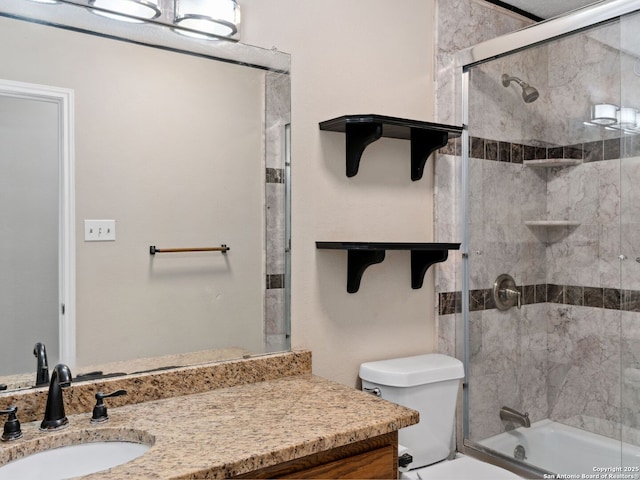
551 163
551 231
548 230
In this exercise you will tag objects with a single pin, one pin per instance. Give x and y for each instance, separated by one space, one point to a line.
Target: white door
35 304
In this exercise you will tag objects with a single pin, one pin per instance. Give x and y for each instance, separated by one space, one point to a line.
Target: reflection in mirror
181 143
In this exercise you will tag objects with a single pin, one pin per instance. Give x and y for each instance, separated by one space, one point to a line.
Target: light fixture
132 10
204 18
626 117
614 118
46 1
604 114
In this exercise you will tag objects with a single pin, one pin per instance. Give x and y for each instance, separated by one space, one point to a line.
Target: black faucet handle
12 425
100 396
100 410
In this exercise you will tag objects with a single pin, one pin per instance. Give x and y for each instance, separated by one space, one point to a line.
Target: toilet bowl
429 384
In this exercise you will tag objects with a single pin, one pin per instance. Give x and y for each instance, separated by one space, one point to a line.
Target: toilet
429 384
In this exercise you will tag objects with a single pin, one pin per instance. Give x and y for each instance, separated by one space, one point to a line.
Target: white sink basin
72 460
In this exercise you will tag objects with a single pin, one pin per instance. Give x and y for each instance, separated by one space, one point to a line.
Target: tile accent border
596 297
275 280
487 149
275 175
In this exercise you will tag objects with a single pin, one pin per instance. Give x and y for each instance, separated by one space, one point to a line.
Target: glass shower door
546 203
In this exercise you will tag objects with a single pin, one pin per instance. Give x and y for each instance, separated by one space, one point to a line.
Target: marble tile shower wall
457 24
456 28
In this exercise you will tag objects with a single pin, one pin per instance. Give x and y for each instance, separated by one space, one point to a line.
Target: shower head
529 93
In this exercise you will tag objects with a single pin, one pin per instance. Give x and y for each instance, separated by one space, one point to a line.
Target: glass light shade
604 114
627 117
211 17
131 9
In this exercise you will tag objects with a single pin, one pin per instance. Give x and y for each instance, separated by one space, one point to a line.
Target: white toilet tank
426 383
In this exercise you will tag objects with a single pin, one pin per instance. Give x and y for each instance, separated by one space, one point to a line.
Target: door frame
64 98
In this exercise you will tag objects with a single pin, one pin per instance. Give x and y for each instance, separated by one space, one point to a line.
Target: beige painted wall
358 56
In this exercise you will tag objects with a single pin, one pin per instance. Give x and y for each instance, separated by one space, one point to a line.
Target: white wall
358 56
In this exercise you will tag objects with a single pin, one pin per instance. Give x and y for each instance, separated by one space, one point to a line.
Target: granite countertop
229 431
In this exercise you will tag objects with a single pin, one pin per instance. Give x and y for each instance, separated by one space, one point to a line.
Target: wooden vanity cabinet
375 458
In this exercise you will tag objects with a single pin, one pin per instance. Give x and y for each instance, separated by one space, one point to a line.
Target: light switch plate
99 230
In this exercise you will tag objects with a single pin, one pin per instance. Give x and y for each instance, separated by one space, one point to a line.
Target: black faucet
12 429
42 370
54 416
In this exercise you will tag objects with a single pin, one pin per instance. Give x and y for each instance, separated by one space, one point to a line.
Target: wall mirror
133 131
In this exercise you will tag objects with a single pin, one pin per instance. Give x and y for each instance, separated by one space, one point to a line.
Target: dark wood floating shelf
361 255
362 130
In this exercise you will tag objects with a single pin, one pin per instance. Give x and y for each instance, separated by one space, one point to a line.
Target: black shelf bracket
358 137
361 255
362 130
357 262
421 260
423 144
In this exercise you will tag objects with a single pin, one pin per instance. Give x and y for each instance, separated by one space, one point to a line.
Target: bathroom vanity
265 417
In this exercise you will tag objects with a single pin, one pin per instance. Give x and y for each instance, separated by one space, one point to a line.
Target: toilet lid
412 371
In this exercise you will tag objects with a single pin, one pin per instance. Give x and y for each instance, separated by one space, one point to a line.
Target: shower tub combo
549 199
